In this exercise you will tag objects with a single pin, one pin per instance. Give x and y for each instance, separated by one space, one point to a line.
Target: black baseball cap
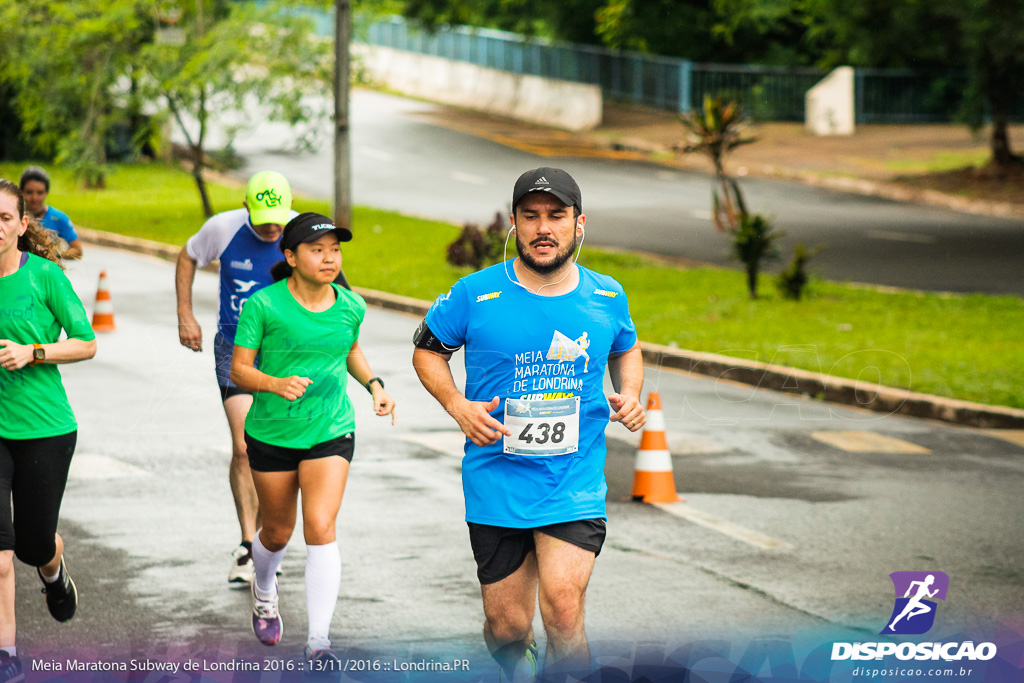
547 179
309 226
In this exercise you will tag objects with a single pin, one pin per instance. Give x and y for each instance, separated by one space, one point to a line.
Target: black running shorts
222 352
499 551
265 457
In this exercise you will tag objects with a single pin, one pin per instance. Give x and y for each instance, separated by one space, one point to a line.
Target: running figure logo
564 348
583 344
914 613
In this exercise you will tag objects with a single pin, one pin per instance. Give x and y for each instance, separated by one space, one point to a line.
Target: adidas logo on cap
541 181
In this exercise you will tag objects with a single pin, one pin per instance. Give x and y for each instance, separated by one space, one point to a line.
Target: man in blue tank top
538 332
246 243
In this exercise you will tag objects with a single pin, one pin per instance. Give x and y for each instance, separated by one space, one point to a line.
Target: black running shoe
61 595
10 668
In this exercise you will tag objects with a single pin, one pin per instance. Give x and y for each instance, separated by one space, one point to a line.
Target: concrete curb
761 375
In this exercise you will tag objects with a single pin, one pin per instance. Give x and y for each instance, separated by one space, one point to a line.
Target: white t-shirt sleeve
216 234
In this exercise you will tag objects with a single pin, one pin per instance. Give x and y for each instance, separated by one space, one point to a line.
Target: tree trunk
752 279
197 174
199 161
1002 155
999 85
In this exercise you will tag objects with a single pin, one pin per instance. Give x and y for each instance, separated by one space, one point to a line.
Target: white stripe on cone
653 461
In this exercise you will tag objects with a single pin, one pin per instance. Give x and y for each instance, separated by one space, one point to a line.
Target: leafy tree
81 68
233 57
763 31
995 47
981 37
701 30
70 65
12 147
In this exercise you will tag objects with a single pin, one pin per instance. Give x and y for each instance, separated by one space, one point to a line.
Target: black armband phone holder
423 338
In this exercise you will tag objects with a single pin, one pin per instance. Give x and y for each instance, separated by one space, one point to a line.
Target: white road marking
377 154
1012 435
893 236
92 467
867 442
468 178
740 533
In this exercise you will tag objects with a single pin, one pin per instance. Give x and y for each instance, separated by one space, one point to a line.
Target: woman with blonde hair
38 430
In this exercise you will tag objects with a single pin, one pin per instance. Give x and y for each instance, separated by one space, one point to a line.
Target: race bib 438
542 427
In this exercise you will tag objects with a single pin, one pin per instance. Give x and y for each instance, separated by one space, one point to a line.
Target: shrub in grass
478 247
753 243
793 279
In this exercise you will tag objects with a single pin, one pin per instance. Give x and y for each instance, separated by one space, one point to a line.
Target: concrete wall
562 104
830 104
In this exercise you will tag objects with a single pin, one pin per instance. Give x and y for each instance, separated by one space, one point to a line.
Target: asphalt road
404 163
783 535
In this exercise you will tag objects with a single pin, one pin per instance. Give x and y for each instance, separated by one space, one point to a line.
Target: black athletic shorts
222 352
265 457
499 551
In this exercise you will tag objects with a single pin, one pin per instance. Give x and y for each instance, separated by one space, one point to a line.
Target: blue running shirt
58 221
524 346
245 261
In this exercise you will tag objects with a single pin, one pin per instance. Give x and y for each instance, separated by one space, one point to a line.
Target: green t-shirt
36 302
295 341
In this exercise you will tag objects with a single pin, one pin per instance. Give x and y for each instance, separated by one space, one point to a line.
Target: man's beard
561 256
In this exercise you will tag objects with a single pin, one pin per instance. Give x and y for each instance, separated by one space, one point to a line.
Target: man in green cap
245 241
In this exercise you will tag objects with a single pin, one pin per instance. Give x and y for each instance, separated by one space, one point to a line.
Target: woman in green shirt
38 430
300 429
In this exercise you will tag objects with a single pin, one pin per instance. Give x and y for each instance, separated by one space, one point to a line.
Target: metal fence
621 75
767 93
905 96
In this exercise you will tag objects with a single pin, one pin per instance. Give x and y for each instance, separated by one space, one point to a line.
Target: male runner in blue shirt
538 331
35 186
245 241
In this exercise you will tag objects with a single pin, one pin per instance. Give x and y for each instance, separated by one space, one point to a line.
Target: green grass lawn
941 161
966 347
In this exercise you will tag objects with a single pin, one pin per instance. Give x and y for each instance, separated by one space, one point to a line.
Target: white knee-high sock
323 580
265 563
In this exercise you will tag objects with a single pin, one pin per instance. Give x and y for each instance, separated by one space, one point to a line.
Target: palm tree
715 131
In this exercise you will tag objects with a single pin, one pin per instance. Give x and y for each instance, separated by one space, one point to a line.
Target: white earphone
504 258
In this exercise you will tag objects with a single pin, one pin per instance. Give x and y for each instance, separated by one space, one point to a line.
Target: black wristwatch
39 355
371 381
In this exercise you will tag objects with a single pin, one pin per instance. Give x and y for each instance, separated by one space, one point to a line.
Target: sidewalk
915 163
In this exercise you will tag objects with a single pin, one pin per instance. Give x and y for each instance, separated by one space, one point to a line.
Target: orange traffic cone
653 481
103 312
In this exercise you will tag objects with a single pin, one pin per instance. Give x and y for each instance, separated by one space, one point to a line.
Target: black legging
33 474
